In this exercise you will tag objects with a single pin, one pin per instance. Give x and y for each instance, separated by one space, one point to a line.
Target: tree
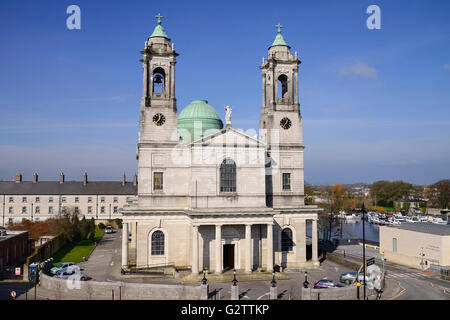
309 195
385 192
337 197
442 196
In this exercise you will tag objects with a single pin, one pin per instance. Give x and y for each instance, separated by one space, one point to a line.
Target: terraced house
39 200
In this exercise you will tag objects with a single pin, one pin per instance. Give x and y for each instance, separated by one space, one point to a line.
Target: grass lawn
76 252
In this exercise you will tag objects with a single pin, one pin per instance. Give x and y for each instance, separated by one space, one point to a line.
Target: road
417 285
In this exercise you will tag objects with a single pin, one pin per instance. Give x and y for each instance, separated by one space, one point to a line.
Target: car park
325 283
61 266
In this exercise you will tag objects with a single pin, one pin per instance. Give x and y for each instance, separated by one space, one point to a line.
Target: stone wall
94 290
345 293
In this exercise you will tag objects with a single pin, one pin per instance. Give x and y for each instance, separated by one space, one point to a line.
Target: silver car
350 277
72 272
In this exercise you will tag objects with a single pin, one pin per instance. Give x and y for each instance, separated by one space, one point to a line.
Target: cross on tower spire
159 16
279 26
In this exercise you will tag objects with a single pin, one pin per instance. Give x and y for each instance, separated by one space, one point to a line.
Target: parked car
109 229
61 266
324 283
349 277
71 272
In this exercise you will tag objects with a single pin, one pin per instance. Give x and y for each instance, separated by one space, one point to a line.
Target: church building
211 196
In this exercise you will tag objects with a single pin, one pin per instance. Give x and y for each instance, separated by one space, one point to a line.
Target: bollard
357 290
273 295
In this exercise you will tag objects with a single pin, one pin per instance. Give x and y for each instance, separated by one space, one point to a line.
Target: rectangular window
89 199
102 199
394 244
286 181
50 210
38 199
64 209
50 199
77 199
10 221
24 199
11 199
76 210
116 199
89 209
157 181
116 209
11 210
38 210
24 209
102 210
63 199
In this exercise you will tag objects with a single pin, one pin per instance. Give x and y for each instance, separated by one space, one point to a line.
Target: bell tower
158 114
281 125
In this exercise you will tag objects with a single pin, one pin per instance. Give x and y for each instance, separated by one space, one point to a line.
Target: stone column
218 248
264 89
124 245
315 254
301 243
269 247
195 251
296 87
145 80
248 248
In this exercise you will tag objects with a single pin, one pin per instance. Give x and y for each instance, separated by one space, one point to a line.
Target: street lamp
306 283
273 282
204 280
234 278
363 210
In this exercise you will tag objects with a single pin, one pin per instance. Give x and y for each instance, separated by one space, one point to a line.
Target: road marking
112 263
265 294
399 294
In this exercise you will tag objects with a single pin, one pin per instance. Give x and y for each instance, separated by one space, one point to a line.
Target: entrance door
228 256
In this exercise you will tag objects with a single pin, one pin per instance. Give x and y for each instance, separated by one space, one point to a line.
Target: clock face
285 123
159 119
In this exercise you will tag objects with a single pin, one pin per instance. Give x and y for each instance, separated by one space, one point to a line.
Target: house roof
426 227
67 188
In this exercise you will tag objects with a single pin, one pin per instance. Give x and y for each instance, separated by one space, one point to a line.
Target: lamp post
363 210
234 278
421 256
204 280
273 282
306 283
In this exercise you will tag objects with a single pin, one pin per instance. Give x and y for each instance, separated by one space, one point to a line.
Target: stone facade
226 200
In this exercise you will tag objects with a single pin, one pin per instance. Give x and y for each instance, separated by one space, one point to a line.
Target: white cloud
446 66
360 69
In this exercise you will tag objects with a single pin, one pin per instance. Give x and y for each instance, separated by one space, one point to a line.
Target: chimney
134 179
61 177
123 179
85 179
35 177
18 177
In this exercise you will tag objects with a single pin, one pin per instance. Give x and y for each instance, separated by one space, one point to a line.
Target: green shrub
101 225
118 223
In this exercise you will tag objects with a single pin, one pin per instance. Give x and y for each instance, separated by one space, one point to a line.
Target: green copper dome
159 30
279 40
198 119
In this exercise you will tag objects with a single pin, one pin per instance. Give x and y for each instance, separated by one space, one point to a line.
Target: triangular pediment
229 137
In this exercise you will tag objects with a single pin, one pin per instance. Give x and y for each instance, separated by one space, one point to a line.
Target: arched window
282 86
228 176
158 243
286 240
159 77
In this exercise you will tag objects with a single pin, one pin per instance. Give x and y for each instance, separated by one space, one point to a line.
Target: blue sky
375 103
